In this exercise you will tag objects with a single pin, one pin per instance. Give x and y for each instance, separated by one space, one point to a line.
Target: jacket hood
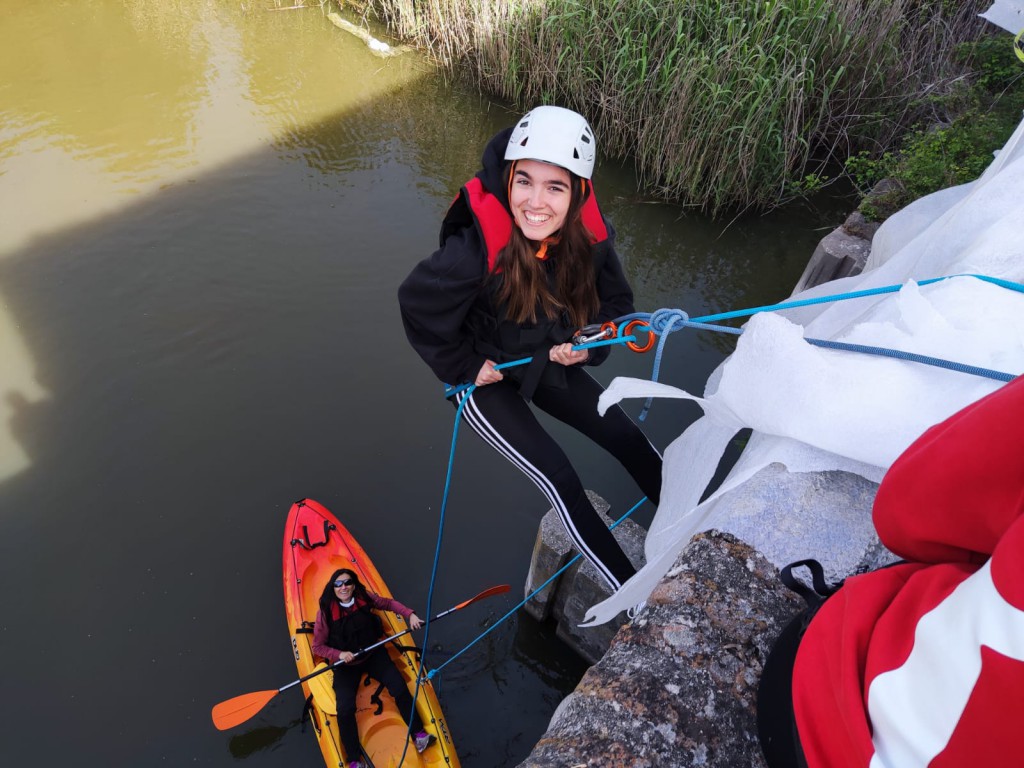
493 165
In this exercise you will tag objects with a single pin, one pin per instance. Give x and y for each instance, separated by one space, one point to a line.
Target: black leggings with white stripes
503 418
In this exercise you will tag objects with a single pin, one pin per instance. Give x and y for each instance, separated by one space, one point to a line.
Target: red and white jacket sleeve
922 663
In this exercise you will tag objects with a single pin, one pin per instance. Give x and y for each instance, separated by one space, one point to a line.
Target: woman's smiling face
344 586
539 196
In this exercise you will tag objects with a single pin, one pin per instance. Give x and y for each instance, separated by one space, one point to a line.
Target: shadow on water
247 743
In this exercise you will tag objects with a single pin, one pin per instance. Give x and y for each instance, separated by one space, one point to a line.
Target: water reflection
264 737
129 105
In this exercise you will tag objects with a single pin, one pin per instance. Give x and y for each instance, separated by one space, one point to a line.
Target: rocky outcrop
842 252
677 686
566 597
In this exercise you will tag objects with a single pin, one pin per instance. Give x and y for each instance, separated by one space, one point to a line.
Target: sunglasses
343 582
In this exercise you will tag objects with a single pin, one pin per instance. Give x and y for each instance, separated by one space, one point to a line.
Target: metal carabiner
594 332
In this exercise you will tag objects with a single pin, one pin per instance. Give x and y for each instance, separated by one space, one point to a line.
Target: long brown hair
523 286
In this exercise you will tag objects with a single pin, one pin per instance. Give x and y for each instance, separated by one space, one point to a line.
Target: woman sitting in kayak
346 624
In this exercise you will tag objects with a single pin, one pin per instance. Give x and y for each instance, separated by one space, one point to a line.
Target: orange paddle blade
498 590
235 711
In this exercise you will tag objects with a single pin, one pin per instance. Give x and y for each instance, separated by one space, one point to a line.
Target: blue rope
663 322
666 321
851 295
529 597
450 389
926 360
433 575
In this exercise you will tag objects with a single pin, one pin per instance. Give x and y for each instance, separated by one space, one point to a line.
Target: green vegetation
956 146
723 103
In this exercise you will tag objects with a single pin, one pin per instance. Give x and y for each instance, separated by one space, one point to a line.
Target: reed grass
723 103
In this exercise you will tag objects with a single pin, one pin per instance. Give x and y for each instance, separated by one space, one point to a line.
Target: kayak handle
304 541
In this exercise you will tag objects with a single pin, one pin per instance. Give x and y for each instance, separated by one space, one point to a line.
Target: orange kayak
315 545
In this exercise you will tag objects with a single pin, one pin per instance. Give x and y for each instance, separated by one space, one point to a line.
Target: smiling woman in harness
346 624
526 260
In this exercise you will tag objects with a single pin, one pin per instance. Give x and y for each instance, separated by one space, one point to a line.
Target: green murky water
205 211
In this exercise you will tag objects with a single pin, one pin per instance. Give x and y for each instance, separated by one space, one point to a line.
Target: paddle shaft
228 714
360 652
500 589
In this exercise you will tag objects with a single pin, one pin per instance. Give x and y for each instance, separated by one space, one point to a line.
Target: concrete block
839 254
582 587
551 550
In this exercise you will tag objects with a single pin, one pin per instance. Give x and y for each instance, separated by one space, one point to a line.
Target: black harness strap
375 696
304 541
815 595
776 723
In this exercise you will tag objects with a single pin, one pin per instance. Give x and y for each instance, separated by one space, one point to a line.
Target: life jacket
498 338
495 223
355 628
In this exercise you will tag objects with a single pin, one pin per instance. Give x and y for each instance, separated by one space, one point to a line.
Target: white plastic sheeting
1008 14
815 409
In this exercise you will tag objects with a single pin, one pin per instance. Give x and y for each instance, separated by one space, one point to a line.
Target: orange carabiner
628 331
610 326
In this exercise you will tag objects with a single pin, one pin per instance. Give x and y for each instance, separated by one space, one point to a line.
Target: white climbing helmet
557 136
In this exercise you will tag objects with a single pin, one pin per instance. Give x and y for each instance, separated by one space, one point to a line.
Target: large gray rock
839 254
551 551
583 587
678 685
789 516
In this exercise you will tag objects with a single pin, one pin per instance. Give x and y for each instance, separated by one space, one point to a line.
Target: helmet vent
523 142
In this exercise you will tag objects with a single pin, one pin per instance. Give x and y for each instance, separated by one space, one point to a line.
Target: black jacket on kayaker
354 627
449 305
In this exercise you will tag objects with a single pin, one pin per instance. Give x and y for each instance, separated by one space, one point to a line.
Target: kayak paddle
235 711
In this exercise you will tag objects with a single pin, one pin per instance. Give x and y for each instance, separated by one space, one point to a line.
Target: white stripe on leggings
491 435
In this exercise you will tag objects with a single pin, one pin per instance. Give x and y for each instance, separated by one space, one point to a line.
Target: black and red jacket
922 663
448 305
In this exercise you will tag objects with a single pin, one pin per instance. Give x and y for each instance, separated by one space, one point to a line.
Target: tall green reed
723 103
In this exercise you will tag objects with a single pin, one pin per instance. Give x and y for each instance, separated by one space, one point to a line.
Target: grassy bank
955 145
723 103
